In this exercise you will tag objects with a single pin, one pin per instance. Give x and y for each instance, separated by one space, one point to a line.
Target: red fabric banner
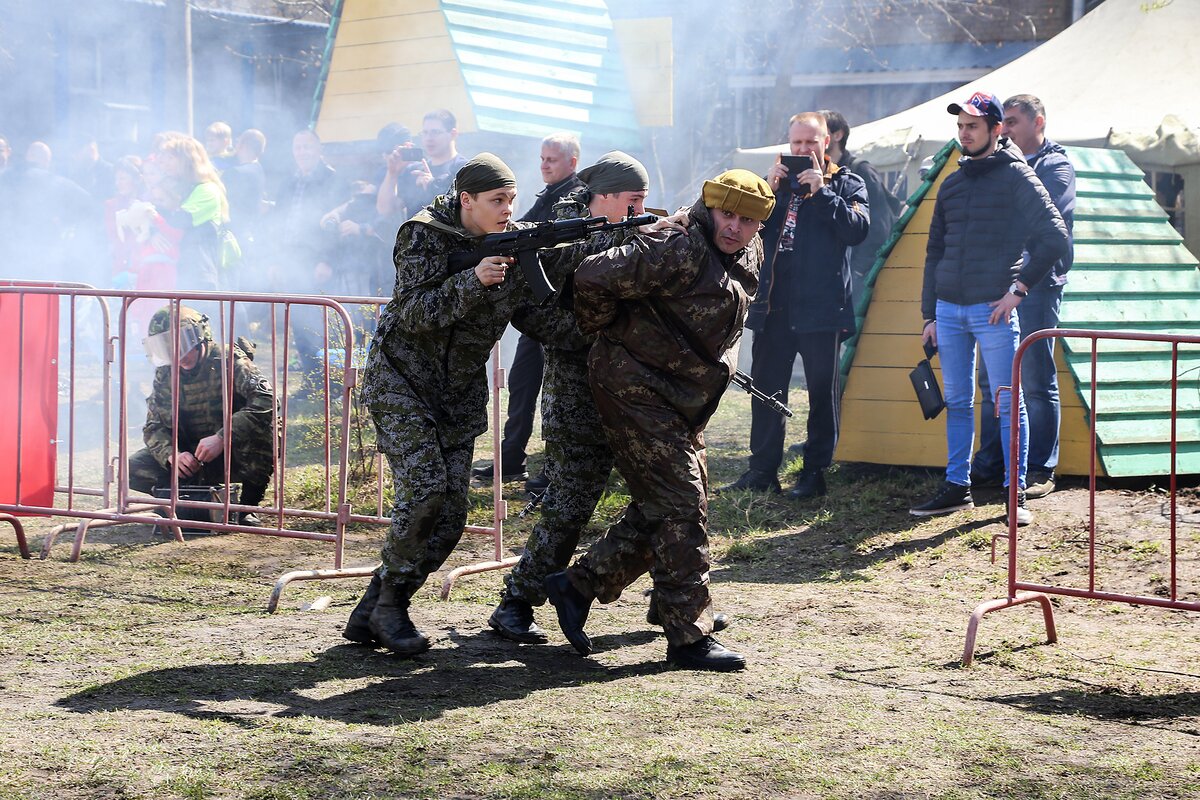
28 398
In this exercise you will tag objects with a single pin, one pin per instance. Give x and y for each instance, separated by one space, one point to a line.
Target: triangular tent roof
1123 68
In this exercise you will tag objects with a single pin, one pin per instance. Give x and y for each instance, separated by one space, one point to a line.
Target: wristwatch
1019 292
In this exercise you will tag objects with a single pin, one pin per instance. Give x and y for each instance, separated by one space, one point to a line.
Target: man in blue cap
987 214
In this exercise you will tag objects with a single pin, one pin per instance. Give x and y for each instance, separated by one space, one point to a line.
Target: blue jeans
958 329
1039 384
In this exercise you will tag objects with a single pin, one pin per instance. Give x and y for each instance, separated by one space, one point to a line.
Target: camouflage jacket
568 410
669 310
428 356
200 405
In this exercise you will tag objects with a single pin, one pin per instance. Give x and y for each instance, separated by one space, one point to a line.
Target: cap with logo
980 104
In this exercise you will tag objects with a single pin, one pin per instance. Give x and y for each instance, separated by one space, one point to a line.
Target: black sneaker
537 483
1039 485
811 483
708 654
1024 515
950 498
511 474
513 620
754 480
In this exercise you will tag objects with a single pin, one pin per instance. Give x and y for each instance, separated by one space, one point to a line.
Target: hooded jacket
669 311
811 282
987 213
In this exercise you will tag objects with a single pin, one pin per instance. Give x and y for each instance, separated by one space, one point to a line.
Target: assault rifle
772 401
525 243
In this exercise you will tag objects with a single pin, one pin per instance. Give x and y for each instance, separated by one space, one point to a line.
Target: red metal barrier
223 310
1020 591
166 512
499 505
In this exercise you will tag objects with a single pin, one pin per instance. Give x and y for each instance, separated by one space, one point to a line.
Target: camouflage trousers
249 469
578 473
430 507
664 528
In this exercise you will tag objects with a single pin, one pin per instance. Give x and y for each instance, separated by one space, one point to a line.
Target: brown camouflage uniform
577 457
200 415
669 311
426 386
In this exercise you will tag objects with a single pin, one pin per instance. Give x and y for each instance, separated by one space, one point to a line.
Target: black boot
391 626
811 483
513 619
252 495
358 627
572 608
720 620
706 653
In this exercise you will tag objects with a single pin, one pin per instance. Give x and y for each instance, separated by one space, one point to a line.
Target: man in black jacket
804 304
987 213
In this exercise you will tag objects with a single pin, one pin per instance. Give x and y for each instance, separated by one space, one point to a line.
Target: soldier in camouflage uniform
669 311
200 459
578 460
426 386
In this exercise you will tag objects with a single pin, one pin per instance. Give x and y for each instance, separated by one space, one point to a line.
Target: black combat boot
252 495
706 653
513 619
358 627
391 626
572 608
810 483
720 620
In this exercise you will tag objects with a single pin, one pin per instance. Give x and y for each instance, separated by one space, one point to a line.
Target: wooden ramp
1131 272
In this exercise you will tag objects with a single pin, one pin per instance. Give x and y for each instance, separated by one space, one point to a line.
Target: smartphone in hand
796 165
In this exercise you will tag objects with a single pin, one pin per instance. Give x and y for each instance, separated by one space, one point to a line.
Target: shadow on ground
480 669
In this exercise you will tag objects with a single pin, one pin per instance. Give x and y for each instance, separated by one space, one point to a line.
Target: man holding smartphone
803 305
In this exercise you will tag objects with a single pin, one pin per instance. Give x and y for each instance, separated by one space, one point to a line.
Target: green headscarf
614 173
483 173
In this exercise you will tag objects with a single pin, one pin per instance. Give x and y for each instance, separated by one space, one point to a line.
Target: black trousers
774 352
524 384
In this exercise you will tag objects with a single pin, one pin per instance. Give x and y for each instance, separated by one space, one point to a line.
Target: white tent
1123 76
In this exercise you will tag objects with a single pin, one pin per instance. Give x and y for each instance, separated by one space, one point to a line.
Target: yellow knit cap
741 192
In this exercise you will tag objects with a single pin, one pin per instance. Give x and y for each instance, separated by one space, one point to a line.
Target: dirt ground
150 669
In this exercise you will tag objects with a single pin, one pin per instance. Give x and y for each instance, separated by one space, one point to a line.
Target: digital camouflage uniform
426 386
578 459
200 415
669 311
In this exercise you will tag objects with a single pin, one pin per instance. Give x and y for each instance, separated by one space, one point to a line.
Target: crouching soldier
199 458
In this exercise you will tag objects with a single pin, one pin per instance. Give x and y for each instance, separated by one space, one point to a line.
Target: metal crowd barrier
339 358
1023 591
379 517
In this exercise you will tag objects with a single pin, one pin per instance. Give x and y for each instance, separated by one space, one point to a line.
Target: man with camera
416 175
803 305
